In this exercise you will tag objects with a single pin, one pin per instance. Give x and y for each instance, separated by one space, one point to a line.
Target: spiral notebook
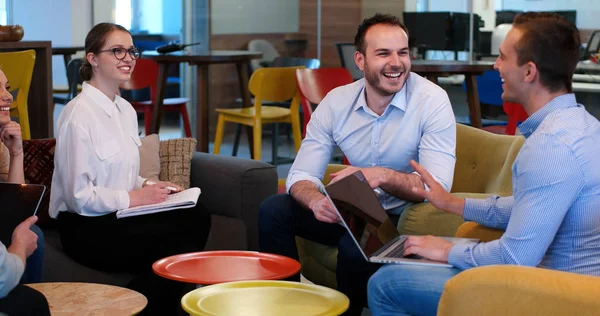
184 199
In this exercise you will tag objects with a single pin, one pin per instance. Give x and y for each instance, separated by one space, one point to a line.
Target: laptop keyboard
397 250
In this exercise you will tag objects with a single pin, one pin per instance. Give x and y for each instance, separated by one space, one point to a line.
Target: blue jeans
35 262
281 219
407 289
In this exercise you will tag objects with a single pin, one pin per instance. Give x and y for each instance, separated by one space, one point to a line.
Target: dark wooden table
67 52
587 68
39 102
432 69
201 59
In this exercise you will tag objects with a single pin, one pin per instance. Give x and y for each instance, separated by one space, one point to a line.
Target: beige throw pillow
176 160
149 157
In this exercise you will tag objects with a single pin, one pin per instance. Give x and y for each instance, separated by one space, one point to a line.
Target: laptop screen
362 213
18 202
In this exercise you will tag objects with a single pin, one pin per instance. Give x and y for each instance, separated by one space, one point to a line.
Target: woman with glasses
96 173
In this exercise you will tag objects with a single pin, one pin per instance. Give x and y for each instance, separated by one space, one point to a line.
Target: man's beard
374 81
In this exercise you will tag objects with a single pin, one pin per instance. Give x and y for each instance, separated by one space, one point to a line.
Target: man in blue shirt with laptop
380 123
553 218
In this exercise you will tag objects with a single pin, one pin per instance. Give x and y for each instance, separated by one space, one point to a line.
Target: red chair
516 113
145 75
314 84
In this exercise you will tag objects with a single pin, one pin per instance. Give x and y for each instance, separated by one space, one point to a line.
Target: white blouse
96 161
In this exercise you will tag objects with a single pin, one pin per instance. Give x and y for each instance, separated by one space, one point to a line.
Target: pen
172 189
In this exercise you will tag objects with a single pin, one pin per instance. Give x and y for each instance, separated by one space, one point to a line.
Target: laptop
18 202
368 223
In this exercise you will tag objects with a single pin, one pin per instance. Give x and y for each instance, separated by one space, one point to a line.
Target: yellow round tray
264 298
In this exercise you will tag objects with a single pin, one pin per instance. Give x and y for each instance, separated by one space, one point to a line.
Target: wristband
12 155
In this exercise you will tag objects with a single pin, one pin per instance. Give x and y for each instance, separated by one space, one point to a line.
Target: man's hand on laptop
437 195
324 210
373 175
428 247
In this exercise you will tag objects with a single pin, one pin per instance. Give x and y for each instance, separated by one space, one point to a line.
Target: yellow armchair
483 167
514 290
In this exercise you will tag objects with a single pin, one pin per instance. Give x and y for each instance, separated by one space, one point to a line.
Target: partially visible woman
96 173
22 261
11 153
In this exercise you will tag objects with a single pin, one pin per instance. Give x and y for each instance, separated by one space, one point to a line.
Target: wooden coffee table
71 298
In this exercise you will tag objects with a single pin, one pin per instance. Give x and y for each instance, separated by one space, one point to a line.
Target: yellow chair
267 85
18 68
516 290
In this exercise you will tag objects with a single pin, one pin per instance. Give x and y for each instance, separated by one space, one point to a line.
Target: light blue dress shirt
418 124
553 218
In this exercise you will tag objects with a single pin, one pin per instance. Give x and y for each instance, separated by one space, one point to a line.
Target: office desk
201 59
432 69
587 68
67 52
39 102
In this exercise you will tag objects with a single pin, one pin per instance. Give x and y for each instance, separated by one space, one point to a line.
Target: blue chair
489 88
74 81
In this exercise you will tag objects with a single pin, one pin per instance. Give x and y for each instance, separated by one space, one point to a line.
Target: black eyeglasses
120 52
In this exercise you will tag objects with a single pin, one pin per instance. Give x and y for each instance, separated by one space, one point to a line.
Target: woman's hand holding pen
152 192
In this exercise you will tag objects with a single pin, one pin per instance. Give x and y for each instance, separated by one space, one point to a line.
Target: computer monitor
506 16
429 30
570 15
459 39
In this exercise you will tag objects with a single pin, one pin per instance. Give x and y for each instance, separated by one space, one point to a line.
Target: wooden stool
71 298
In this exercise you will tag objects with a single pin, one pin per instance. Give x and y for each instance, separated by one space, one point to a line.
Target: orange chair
314 84
516 113
145 75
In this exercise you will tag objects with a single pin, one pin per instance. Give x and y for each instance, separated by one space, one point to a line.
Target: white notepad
184 199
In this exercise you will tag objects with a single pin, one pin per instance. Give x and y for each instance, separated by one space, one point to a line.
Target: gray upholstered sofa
232 189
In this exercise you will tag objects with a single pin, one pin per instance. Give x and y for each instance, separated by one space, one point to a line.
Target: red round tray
213 267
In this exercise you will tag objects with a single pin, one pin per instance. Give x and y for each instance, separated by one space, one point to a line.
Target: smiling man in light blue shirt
380 123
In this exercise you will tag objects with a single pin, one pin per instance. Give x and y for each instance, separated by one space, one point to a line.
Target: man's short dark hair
378 18
552 43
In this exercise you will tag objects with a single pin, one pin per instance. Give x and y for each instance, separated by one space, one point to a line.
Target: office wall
103 11
370 7
445 5
172 17
46 20
339 20
81 20
254 16
587 10
151 19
